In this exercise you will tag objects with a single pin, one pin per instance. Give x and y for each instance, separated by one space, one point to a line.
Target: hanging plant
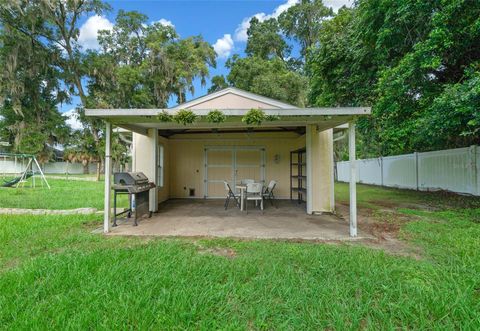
216 116
164 116
272 118
254 117
185 116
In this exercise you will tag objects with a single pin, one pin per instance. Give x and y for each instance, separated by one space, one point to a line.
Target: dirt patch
393 246
384 225
219 251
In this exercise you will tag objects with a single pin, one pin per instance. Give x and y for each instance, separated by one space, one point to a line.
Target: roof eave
331 111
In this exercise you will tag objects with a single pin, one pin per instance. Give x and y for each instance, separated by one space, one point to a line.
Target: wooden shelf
303 190
298 178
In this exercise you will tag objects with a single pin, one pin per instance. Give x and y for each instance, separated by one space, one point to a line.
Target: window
160 166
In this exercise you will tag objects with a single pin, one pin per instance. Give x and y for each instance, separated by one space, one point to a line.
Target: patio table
242 189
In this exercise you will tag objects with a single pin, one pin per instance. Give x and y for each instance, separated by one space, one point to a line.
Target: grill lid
129 178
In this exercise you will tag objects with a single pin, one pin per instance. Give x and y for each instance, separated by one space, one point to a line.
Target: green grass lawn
55 273
64 194
374 197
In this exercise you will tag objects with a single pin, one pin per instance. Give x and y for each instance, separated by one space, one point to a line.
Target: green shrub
271 118
254 117
185 116
216 116
164 116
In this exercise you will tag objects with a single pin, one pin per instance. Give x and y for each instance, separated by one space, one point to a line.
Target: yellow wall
164 192
187 154
144 158
184 163
322 193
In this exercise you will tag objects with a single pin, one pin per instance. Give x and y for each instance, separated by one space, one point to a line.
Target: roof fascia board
333 111
232 125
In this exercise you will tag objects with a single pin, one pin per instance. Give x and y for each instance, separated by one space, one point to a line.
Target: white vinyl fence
456 170
9 166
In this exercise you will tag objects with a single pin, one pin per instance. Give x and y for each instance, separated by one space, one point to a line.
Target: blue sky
222 23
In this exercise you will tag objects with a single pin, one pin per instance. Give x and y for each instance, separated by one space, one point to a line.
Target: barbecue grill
137 186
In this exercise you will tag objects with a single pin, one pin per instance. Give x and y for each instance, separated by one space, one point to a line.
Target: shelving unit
298 178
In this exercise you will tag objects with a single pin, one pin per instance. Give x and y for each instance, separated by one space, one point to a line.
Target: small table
242 189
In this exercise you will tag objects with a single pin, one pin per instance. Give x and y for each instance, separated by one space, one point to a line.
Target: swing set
23 167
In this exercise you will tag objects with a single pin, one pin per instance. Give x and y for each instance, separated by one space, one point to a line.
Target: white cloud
337 4
89 31
165 22
223 47
72 119
241 30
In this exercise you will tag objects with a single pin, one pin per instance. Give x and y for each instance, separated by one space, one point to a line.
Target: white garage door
232 163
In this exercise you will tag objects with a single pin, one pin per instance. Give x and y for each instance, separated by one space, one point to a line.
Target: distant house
5 147
295 148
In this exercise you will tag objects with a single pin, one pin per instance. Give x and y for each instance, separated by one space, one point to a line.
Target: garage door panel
216 190
231 164
249 173
248 157
220 173
220 157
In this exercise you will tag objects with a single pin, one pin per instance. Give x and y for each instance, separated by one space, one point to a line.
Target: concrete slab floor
208 218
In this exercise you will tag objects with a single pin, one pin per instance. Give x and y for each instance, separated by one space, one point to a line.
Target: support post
353 179
154 192
473 169
309 169
417 181
381 170
108 177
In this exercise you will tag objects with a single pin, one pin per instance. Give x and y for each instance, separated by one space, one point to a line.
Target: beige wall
144 161
184 162
164 192
187 156
321 184
232 101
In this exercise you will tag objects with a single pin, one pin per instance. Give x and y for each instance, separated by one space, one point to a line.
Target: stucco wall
164 192
232 101
144 157
188 165
322 185
184 162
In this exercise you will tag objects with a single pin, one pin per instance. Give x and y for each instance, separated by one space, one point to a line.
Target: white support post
417 181
353 179
308 145
154 192
134 152
108 177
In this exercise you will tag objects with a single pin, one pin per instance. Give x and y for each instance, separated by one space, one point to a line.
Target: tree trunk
98 171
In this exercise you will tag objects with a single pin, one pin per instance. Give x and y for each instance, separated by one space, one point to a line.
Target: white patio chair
230 195
247 181
268 193
254 193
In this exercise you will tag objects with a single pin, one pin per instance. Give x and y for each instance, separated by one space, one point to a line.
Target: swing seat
12 182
